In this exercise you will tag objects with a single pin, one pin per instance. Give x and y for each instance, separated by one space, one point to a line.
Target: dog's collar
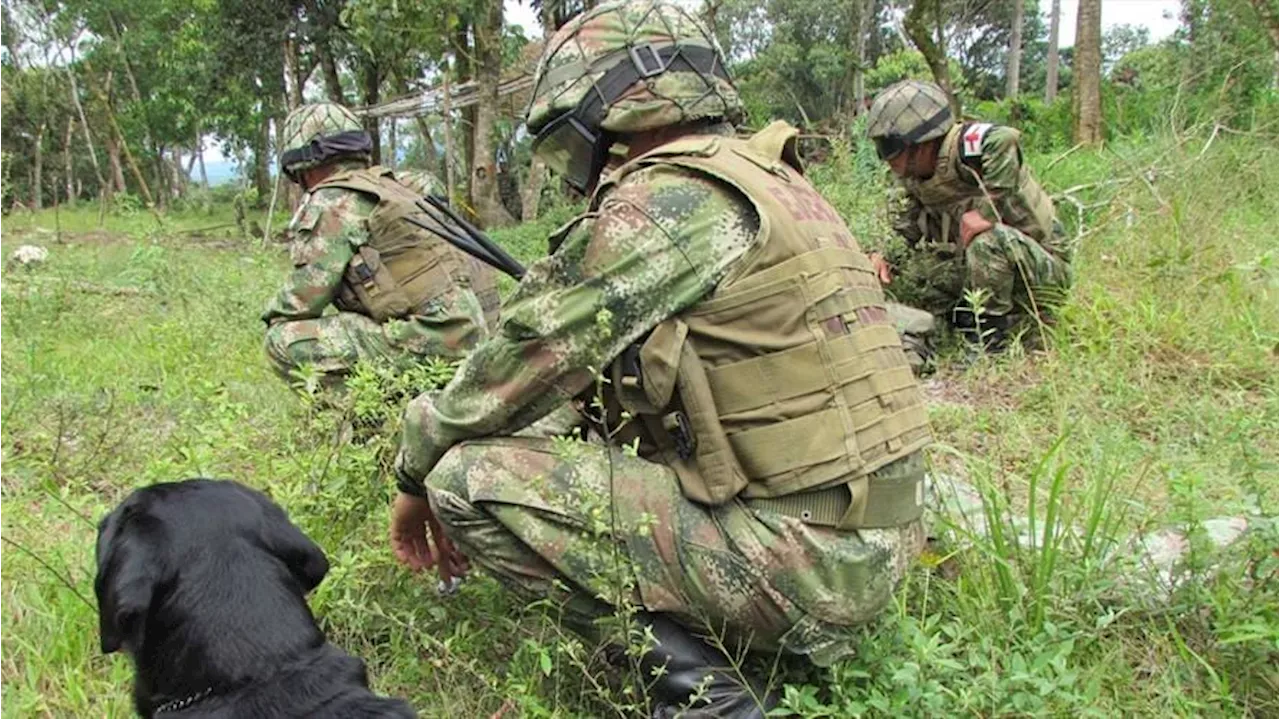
183 703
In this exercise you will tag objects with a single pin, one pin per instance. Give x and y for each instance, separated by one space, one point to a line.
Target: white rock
28 255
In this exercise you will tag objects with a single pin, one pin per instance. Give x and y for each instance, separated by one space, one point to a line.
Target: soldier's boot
917 330
985 334
692 679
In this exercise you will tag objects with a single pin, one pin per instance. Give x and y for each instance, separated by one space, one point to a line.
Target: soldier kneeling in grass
403 293
985 250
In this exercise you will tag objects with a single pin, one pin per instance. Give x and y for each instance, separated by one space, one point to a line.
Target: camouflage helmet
320 133
908 113
624 67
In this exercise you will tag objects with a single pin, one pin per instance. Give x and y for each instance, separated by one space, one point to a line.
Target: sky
1159 16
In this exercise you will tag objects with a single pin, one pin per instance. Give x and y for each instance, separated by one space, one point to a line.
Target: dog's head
158 532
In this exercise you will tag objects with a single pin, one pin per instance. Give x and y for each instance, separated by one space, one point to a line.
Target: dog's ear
305 560
125 582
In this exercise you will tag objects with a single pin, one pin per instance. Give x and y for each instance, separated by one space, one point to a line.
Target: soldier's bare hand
972 224
409 517
451 562
882 268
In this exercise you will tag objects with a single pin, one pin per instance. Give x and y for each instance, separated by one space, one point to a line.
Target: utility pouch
373 286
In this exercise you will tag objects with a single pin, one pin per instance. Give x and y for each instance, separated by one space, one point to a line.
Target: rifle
472 241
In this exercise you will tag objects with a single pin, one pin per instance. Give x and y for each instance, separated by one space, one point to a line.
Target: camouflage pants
333 344
1019 275
588 528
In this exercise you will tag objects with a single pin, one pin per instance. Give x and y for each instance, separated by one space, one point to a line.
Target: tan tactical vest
956 188
789 377
403 268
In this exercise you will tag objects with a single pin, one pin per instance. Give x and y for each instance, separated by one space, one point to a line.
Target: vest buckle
630 366
677 425
361 270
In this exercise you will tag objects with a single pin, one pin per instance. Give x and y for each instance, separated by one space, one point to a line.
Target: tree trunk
37 182
710 17
390 158
531 195
156 156
484 168
262 163
1014 69
204 176
463 69
84 126
1086 73
113 159
448 138
179 175
863 9
113 130
875 46
917 24
424 131
1270 19
293 79
329 69
1051 73
68 169
371 78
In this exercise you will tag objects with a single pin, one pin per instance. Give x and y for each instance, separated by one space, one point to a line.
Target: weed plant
134 356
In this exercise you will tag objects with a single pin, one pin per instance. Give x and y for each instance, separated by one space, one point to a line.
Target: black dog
202 583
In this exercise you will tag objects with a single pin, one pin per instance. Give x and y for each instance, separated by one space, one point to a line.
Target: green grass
134 356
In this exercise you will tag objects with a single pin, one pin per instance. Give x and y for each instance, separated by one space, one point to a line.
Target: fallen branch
1063 156
51 570
1212 137
211 228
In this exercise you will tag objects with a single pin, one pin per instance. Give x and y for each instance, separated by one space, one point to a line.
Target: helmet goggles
571 143
890 146
324 148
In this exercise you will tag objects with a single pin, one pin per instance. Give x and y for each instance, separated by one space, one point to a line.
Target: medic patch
971 141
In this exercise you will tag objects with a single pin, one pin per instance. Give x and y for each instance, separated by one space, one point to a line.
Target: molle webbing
868 502
790 378
407 267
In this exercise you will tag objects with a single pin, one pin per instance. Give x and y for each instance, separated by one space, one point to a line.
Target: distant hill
219 172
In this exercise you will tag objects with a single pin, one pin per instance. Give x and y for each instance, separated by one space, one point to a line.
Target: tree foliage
156 79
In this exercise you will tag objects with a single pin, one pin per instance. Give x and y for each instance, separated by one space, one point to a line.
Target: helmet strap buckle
646 60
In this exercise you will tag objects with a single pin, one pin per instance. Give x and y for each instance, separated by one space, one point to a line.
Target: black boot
677 669
983 333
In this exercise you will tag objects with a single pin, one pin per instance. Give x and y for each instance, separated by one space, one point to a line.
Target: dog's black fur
203 584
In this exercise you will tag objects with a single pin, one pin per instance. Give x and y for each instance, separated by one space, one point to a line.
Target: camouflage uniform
326 232
658 243
1022 261
402 291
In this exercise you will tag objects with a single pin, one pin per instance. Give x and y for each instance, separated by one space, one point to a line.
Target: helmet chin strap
644 61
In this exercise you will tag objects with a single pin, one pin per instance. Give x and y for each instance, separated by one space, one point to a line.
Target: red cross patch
972 146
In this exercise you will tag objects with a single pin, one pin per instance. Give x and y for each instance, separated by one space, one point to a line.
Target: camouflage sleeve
324 233
1001 176
661 241
1001 159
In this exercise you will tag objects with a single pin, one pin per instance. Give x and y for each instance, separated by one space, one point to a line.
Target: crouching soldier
362 243
977 221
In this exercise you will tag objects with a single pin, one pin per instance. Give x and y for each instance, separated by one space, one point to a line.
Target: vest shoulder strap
369 180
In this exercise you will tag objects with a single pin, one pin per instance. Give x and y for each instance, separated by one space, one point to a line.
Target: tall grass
134 356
